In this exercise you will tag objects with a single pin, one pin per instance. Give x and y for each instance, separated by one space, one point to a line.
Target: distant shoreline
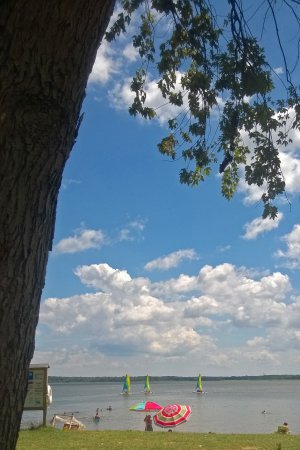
58 379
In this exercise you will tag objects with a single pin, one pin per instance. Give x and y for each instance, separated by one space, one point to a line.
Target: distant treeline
54 379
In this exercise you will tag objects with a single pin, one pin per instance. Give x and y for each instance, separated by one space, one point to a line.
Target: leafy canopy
213 73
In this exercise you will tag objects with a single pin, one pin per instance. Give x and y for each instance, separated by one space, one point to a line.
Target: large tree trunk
47 49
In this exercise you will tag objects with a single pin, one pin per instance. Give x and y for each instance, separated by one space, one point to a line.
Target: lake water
226 407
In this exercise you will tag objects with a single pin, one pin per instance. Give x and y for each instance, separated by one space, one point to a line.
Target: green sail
126 385
199 387
147 388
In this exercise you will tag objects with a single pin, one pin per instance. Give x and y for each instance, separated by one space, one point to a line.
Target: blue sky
150 276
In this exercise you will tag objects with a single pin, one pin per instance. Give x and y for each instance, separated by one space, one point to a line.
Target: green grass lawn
53 439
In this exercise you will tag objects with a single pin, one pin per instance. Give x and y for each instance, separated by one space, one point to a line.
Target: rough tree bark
47 50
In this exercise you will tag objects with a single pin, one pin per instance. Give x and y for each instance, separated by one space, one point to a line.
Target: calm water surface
226 407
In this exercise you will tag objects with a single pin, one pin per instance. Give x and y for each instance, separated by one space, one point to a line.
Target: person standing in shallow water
148 423
97 416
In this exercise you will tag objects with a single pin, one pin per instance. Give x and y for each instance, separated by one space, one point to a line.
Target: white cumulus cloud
102 276
279 70
130 52
132 231
130 321
259 226
291 255
106 64
82 240
171 260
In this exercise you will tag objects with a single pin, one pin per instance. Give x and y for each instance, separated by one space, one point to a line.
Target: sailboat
126 385
199 388
147 389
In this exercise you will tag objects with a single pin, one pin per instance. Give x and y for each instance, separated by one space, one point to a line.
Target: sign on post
37 389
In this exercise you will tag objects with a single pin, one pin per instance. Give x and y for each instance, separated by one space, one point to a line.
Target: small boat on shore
69 422
126 385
